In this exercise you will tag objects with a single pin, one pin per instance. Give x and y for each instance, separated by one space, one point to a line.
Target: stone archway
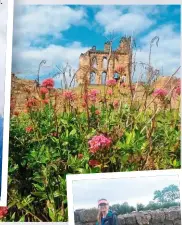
104 63
103 78
92 77
94 62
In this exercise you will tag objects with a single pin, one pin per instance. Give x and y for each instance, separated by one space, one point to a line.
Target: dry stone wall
171 216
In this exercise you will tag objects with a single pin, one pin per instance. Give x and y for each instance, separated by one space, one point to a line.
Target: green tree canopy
168 194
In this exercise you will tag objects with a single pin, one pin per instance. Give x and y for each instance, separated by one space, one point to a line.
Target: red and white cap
102 201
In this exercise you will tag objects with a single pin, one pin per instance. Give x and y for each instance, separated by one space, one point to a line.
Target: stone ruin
171 216
96 62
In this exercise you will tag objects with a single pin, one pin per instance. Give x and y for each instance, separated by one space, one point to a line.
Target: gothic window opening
105 63
92 78
94 63
103 78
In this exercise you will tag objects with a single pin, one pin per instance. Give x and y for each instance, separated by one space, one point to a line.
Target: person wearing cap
105 216
116 76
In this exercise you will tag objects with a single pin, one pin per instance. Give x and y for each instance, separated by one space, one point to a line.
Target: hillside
23 89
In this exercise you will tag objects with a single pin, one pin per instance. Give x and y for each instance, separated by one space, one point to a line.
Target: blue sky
60 33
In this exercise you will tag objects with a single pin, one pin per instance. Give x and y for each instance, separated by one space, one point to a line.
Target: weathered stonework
94 62
171 216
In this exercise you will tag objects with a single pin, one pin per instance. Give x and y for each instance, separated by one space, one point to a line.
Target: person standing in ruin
123 79
105 216
116 76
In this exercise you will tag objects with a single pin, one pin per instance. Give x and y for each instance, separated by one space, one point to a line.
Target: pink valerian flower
178 90
43 90
109 92
29 129
80 156
31 102
45 101
123 85
99 142
115 103
54 134
69 95
160 93
3 211
111 83
97 112
93 94
16 113
93 163
48 83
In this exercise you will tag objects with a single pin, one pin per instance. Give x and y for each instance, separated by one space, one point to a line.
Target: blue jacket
110 219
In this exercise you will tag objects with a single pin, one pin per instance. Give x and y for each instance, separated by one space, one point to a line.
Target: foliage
124 208
48 141
168 194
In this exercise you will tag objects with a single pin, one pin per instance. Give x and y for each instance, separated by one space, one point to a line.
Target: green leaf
73 132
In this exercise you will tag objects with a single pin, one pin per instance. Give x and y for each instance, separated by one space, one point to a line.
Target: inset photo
149 197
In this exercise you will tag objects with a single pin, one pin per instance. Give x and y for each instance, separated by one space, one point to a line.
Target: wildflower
123 85
80 156
31 102
99 142
160 92
12 105
115 103
93 163
94 92
92 95
109 92
54 134
16 113
84 104
29 129
43 90
97 112
178 90
45 101
3 211
111 83
69 95
48 83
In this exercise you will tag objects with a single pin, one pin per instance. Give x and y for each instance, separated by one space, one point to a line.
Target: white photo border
114 175
7 94
99 2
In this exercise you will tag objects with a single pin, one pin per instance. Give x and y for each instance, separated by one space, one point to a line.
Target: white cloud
53 54
35 39
34 22
3 19
166 56
115 19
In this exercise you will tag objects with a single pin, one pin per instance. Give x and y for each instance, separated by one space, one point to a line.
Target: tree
140 207
168 194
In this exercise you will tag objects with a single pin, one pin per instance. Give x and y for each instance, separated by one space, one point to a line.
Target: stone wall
171 216
120 57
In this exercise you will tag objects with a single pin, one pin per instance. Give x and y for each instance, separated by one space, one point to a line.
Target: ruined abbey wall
92 62
171 216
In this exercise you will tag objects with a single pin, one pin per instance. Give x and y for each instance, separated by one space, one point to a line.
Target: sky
136 190
59 34
3 20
